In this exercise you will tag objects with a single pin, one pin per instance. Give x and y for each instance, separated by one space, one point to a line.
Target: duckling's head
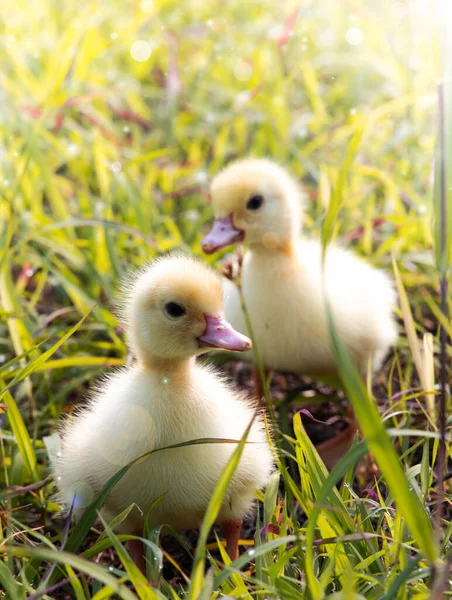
254 201
173 309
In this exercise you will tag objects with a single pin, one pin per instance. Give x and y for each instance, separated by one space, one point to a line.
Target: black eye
175 310
255 202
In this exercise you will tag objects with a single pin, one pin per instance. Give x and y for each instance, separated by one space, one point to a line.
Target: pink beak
222 234
220 334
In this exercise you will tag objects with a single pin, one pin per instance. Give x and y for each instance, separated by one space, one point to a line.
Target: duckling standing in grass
173 312
283 284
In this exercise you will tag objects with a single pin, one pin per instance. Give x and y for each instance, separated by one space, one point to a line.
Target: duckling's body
173 313
139 411
283 283
284 296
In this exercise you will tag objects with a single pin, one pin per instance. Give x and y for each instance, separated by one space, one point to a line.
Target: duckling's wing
363 300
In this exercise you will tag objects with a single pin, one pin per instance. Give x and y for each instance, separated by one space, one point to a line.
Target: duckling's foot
334 449
232 265
367 468
232 530
135 548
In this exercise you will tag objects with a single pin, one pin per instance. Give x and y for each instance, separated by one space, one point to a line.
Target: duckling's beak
222 234
220 334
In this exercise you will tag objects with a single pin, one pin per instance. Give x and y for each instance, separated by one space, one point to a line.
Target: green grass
105 164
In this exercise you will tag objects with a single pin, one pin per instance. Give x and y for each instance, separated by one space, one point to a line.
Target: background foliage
105 162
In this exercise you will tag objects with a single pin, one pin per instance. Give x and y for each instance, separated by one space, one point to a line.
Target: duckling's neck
169 369
285 248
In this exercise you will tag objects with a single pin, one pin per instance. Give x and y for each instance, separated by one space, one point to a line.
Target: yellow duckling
257 202
173 312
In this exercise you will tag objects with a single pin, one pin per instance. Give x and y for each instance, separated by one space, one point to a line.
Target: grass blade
81 564
21 435
197 578
383 449
40 360
144 591
339 188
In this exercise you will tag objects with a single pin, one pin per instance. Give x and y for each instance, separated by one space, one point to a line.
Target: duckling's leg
258 387
232 530
135 548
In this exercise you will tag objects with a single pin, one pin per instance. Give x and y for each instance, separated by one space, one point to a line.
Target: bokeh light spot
137 436
140 50
354 36
147 6
243 70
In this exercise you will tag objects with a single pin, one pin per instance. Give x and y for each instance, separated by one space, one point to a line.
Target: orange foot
334 449
232 530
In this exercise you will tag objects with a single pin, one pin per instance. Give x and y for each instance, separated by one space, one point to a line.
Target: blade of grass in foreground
348 461
144 591
383 449
21 436
197 578
81 564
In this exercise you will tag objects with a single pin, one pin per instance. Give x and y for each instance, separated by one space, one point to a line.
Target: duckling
256 202
173 312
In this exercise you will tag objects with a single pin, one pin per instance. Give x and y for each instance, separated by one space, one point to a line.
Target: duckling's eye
175 310
255 202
